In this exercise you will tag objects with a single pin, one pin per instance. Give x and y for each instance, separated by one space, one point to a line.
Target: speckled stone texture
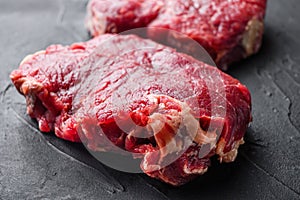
40 166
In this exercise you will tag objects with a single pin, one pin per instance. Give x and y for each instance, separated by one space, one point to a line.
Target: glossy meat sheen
228 29
117 82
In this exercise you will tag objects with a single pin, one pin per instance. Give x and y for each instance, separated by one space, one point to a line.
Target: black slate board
40 166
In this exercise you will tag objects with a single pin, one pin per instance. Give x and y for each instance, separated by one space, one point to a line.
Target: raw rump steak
143 97
229 30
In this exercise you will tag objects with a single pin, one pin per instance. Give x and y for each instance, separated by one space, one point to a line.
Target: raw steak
140 96
228 30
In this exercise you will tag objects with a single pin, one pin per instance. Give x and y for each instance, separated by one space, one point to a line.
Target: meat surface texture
140 96
228 29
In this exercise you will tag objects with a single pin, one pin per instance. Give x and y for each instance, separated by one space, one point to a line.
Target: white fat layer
100 21
186 129
96 21
253 32
29 85
231 155
194 171
157 122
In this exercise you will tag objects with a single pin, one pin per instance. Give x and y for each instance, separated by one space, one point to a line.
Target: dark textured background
40 166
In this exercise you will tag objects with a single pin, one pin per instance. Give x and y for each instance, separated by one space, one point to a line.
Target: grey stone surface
40 166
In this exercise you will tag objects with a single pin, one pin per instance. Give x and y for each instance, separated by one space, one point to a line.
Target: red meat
141 96
228 30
